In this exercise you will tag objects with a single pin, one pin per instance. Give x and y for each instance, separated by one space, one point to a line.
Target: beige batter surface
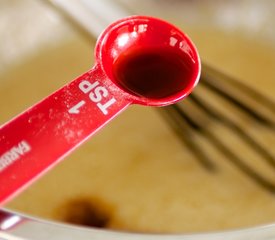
135 174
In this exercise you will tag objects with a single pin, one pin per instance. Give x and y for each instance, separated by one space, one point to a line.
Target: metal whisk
220 111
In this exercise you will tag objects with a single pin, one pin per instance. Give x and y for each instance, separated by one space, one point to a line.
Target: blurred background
136 175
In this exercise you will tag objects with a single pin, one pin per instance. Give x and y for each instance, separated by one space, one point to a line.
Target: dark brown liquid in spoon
153 73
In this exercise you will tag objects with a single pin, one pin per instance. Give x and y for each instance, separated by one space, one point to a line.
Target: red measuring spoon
139 60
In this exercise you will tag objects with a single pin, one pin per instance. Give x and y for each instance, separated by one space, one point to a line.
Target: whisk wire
185 121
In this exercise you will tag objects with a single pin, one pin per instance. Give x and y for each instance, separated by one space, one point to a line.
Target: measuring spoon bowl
150 59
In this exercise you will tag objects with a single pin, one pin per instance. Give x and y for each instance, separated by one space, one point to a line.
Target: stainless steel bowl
41 50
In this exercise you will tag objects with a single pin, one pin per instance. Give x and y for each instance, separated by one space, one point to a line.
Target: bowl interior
136 174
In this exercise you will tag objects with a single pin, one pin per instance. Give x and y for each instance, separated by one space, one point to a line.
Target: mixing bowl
135 179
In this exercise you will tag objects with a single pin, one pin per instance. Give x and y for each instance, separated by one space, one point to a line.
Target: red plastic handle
138 60
39 137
